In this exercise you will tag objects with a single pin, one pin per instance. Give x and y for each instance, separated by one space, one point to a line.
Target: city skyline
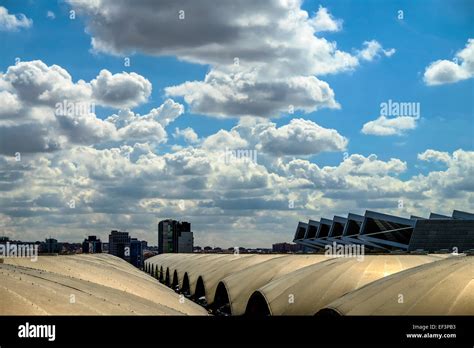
241 119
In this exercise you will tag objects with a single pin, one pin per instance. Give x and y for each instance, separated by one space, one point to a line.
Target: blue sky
430 31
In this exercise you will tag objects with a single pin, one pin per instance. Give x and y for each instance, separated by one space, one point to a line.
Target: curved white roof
240 285
442 288
101 284
212 275
307 290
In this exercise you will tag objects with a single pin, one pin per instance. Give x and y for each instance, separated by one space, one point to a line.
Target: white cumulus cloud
374 49
120 90
384 126
188 134
300 137
11 22
446 71
324 21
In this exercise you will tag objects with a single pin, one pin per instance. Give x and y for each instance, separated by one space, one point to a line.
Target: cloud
214 33
374 49
44 106
35 137
10 105
188 134
244 94
133 127
36 83
129 186
10 22
454 182
164 115
276 70
371 166
300 137
434 156
384 126
324 21
223 140
445 71
120 90
50 15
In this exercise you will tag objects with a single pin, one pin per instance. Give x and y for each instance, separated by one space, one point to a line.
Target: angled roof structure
312 229
324 227
462 215
320 239
301 230
389 233
386 230
353 224
337 227
352 230
439 216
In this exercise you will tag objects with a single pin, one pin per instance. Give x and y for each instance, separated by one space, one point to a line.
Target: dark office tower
91 245
51 246
175 237
136 252
119 244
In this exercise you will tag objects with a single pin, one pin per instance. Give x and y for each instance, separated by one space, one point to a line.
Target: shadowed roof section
309 289
312 229
101 284
462 215
301 230
442 288
177 266
211 276
240 285
192 265
337 227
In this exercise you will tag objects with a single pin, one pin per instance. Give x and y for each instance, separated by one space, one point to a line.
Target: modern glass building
175 237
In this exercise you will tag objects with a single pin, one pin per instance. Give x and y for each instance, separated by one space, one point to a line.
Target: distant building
285 248
130 249
136 252
92 245
185 242
71 248
175 237
119 244
50 246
